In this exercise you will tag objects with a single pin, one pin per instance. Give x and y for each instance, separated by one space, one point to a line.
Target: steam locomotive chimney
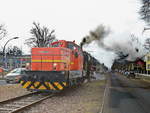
82 43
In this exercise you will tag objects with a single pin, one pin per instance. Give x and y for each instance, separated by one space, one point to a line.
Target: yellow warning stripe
50 85
21 82
36 84
32 87
42 87
58 85
64 83
48 61
26 84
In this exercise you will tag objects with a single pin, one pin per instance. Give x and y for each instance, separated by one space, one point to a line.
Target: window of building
148 66
148 58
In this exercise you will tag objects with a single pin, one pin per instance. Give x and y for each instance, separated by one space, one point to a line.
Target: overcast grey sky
71 19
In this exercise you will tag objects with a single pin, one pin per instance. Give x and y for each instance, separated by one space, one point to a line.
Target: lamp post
4 53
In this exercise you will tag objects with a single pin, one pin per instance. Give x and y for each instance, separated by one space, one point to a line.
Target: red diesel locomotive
64 64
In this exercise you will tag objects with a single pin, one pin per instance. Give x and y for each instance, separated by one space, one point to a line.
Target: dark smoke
121 56
128 48
97 35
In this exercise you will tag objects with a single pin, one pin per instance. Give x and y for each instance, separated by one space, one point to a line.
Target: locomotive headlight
55 64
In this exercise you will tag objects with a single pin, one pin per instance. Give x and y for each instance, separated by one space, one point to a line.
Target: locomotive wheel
79 81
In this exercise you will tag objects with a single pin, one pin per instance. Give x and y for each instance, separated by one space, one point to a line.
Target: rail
17 104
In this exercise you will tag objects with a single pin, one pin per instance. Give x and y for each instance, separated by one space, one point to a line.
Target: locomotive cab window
58 44
71 46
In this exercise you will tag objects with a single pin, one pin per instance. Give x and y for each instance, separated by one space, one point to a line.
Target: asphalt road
126 96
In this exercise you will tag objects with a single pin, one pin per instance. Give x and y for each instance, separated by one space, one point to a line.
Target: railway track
18 104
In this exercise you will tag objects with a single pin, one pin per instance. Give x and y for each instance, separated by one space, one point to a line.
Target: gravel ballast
83 99
86 98
10 91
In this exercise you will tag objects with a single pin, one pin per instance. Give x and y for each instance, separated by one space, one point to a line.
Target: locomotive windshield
56 44
71 46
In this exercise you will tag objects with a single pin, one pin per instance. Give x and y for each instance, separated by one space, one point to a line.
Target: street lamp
4 53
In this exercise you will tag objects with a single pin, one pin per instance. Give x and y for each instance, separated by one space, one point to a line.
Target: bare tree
13 51
147 44
3 31
41 37
145 10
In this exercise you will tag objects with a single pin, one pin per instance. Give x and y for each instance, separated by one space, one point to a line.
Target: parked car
15 75
126 73
3 69
132 74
